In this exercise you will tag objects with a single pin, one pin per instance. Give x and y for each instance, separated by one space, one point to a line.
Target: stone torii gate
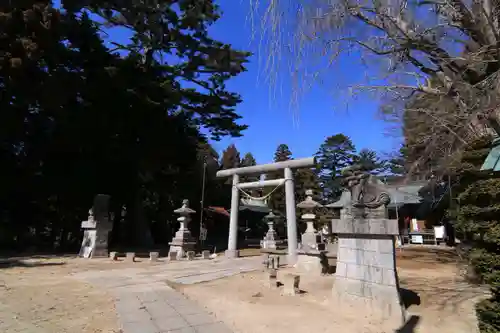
287 166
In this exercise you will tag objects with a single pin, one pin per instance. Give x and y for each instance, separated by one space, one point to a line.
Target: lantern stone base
315 262
308 262
269 241
310 241
182 243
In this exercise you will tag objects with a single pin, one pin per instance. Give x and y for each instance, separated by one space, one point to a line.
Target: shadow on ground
10 263
409 297
409 326
429 255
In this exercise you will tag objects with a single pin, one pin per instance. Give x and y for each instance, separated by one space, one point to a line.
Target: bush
478 217
488 315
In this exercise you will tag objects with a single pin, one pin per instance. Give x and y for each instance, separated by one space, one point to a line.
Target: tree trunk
142 228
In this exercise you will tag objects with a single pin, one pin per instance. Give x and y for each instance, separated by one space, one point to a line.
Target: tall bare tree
442 55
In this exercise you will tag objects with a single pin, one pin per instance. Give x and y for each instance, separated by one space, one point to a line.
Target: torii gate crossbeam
287 166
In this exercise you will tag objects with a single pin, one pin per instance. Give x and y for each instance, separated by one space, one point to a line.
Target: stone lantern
183 241
310 240
269 241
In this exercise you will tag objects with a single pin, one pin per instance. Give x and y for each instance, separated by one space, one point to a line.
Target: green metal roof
256 209
492 162
402 195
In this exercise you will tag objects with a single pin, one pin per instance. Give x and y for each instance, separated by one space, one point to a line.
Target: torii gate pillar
232 243
287 166
291 217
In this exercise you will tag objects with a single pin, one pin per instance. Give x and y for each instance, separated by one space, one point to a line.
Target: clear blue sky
271 120
319 114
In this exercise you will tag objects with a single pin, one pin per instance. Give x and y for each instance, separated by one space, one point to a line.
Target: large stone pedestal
101 240
308 262
269 241
182 242
310 238
366 277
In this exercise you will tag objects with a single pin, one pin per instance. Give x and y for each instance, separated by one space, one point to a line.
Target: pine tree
335 154
306 179
479 217
277 200
397 164
59 82
248 160
370 162
207 154
230 158
282 153
479 224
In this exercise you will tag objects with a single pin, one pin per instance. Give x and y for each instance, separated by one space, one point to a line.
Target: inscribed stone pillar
366 277
103 227
97 229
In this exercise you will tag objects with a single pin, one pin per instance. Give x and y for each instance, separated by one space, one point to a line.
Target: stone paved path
183 272
158 309
146 304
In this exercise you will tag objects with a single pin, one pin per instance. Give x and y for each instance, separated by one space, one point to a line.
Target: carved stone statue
366 191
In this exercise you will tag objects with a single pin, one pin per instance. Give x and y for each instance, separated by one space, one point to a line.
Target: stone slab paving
146 304
183 272
160 309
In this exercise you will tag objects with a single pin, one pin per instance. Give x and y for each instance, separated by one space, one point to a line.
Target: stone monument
96 229
183 241
366 277
311 244
269 241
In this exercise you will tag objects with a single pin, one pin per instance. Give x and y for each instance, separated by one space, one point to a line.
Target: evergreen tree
397 164
277 200
307 179
215 192
369 161
282 153
230 158
207 154
77 119
246 161
479 222
335 154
